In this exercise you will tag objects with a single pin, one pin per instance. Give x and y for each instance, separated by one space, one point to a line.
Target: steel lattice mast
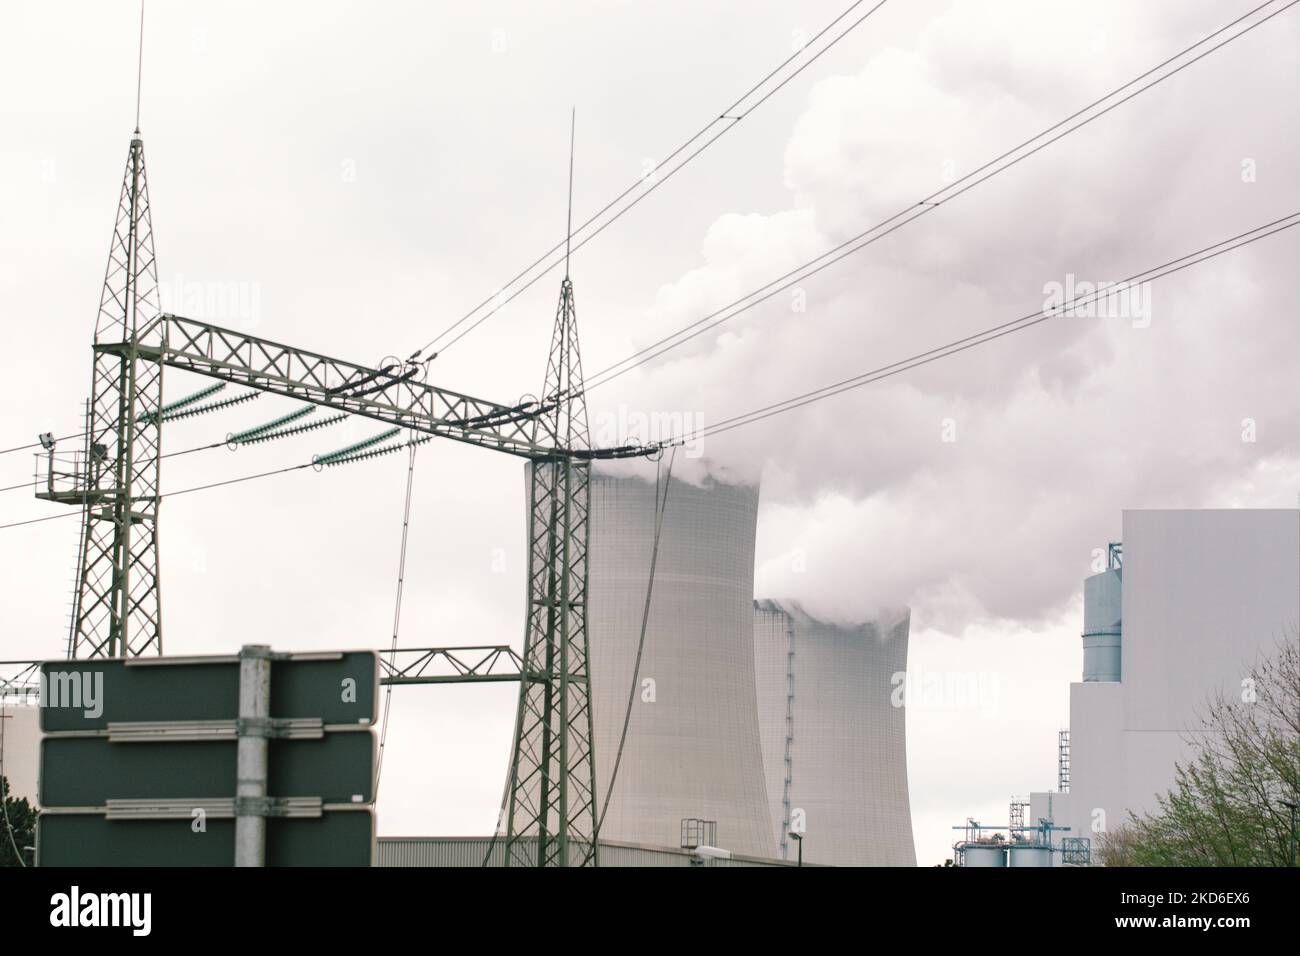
552 805
116 609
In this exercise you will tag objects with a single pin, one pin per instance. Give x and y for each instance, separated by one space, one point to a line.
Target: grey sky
364 174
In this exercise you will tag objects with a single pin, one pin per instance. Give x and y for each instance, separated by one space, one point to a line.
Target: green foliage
1226 807
20 828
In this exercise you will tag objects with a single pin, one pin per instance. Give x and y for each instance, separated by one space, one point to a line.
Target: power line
236 481
186 491
954 347
37 444
815 265
172 494
238 440
724 116
915 211
171 454
397 610
988 335
923 206
661 506
19 524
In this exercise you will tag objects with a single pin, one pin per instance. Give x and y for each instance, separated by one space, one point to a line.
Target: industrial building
1016 846
1189 601
20 743
834 746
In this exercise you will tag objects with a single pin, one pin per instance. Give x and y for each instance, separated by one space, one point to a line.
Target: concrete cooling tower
745 713
834 747
692 747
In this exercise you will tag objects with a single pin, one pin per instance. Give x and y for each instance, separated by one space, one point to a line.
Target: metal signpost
259 759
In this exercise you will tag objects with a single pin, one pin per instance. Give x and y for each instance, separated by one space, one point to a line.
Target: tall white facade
20 738
834 746
1204 595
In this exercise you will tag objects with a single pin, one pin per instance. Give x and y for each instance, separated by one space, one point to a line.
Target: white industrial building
20 745
1190 603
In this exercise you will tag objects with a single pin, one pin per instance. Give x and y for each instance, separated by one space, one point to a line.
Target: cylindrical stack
1102 626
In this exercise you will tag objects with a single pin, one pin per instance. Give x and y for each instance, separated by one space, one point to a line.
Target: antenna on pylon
568 230
139 70
565 417
550 800
116 610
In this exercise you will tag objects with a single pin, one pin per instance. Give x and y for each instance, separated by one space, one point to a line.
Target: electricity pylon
551 789
116 607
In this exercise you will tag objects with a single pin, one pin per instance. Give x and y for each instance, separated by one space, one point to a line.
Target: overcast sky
363 174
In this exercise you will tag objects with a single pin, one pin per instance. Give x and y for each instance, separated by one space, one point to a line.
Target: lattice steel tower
552 788
116 606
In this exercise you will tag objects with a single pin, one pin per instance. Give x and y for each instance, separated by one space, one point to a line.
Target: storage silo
834 743
983 854
1030 854
1102 625
692 747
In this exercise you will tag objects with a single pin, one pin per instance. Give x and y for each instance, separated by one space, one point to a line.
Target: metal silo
1102 625
1029 854
983 854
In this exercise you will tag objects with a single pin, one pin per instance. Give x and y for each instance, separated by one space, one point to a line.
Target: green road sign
255 759
90 771
336 688
336 838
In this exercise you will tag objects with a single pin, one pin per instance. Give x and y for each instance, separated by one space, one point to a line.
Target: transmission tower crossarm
471 664
395 397
451 665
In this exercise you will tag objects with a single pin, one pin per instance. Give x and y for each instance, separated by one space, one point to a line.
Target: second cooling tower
692 747
834 743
